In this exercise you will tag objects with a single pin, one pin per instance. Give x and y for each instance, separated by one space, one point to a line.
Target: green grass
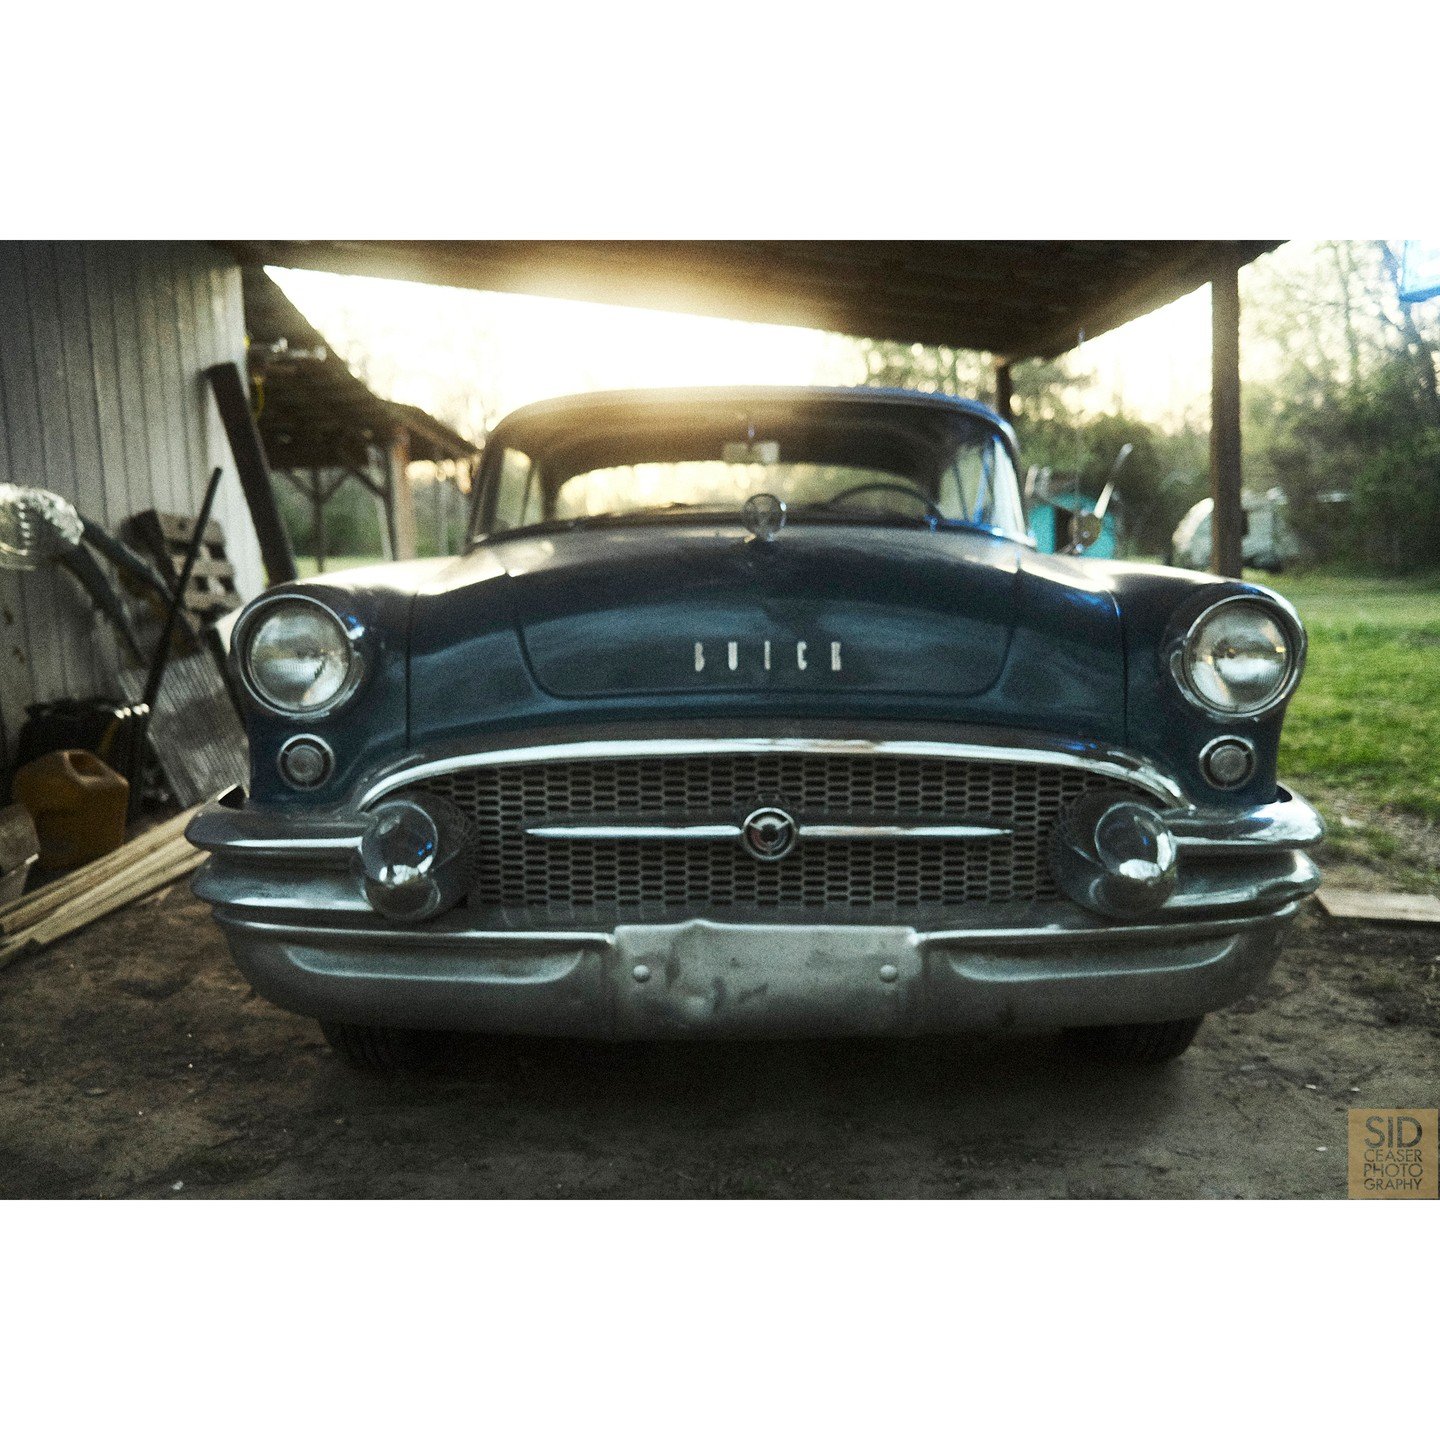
1365 722
305 564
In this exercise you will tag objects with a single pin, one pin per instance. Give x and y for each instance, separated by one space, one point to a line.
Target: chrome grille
581 878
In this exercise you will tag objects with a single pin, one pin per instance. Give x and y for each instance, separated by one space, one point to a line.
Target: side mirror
1086 528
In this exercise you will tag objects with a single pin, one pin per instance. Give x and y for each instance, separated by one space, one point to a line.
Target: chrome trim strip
1099 760
250 834
1287 823
734 832
428 936
634 832
1164 930
1078 932
325 845
901 832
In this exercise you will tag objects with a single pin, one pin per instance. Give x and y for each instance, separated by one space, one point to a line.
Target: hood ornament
764 516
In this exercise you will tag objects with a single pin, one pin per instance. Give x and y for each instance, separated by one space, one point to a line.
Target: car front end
854 771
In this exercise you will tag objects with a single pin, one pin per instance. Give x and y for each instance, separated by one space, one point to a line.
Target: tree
938 369
1348 421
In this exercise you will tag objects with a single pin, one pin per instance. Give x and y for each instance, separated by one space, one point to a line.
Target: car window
517 496
824 459
716 484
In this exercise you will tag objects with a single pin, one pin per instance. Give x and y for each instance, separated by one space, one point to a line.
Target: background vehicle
1269 542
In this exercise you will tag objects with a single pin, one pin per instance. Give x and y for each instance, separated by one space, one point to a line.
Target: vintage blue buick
756 711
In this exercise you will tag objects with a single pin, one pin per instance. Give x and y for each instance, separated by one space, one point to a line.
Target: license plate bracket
703 976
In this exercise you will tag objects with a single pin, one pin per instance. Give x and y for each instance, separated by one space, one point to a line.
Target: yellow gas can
78 803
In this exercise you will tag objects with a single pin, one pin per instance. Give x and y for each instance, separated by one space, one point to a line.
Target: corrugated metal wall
102 352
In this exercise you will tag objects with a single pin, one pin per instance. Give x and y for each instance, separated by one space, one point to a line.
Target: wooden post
317 524
376 479
402 498
1227 523
1004 392
387 531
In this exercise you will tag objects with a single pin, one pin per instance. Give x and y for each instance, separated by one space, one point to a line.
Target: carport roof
316 411
1017 299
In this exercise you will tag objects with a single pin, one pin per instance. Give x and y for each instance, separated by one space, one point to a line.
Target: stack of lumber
158 857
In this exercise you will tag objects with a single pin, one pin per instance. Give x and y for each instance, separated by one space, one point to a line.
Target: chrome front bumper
290 904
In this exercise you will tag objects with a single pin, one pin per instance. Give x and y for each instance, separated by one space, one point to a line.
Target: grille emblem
768 834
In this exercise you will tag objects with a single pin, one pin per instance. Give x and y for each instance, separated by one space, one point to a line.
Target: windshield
860 462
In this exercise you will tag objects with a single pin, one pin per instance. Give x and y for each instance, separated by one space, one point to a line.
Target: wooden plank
1379 905
16 690
199 602
208 568
163 868
231 395
30 909
166 537
227 314
1004 392
198 263
73 319
170 315
192 392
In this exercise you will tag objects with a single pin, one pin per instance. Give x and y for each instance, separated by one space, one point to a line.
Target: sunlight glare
470 356
423 344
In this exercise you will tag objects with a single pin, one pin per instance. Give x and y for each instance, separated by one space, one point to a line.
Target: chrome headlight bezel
1276 609
244 637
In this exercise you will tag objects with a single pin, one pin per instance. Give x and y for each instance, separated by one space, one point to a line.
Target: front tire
375 1048
1152 1044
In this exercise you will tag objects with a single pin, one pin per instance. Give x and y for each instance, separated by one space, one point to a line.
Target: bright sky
462 353
1156 367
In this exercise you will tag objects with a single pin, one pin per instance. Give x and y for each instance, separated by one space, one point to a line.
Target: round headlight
298 656
1239 658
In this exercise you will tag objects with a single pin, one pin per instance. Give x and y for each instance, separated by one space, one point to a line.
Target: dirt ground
134 1061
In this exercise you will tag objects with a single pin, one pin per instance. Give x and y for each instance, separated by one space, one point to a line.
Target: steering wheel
932 510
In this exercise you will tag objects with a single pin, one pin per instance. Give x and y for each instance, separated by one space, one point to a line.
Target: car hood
594 632
665 608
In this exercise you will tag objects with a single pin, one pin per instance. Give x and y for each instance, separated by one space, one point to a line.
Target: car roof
564 407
